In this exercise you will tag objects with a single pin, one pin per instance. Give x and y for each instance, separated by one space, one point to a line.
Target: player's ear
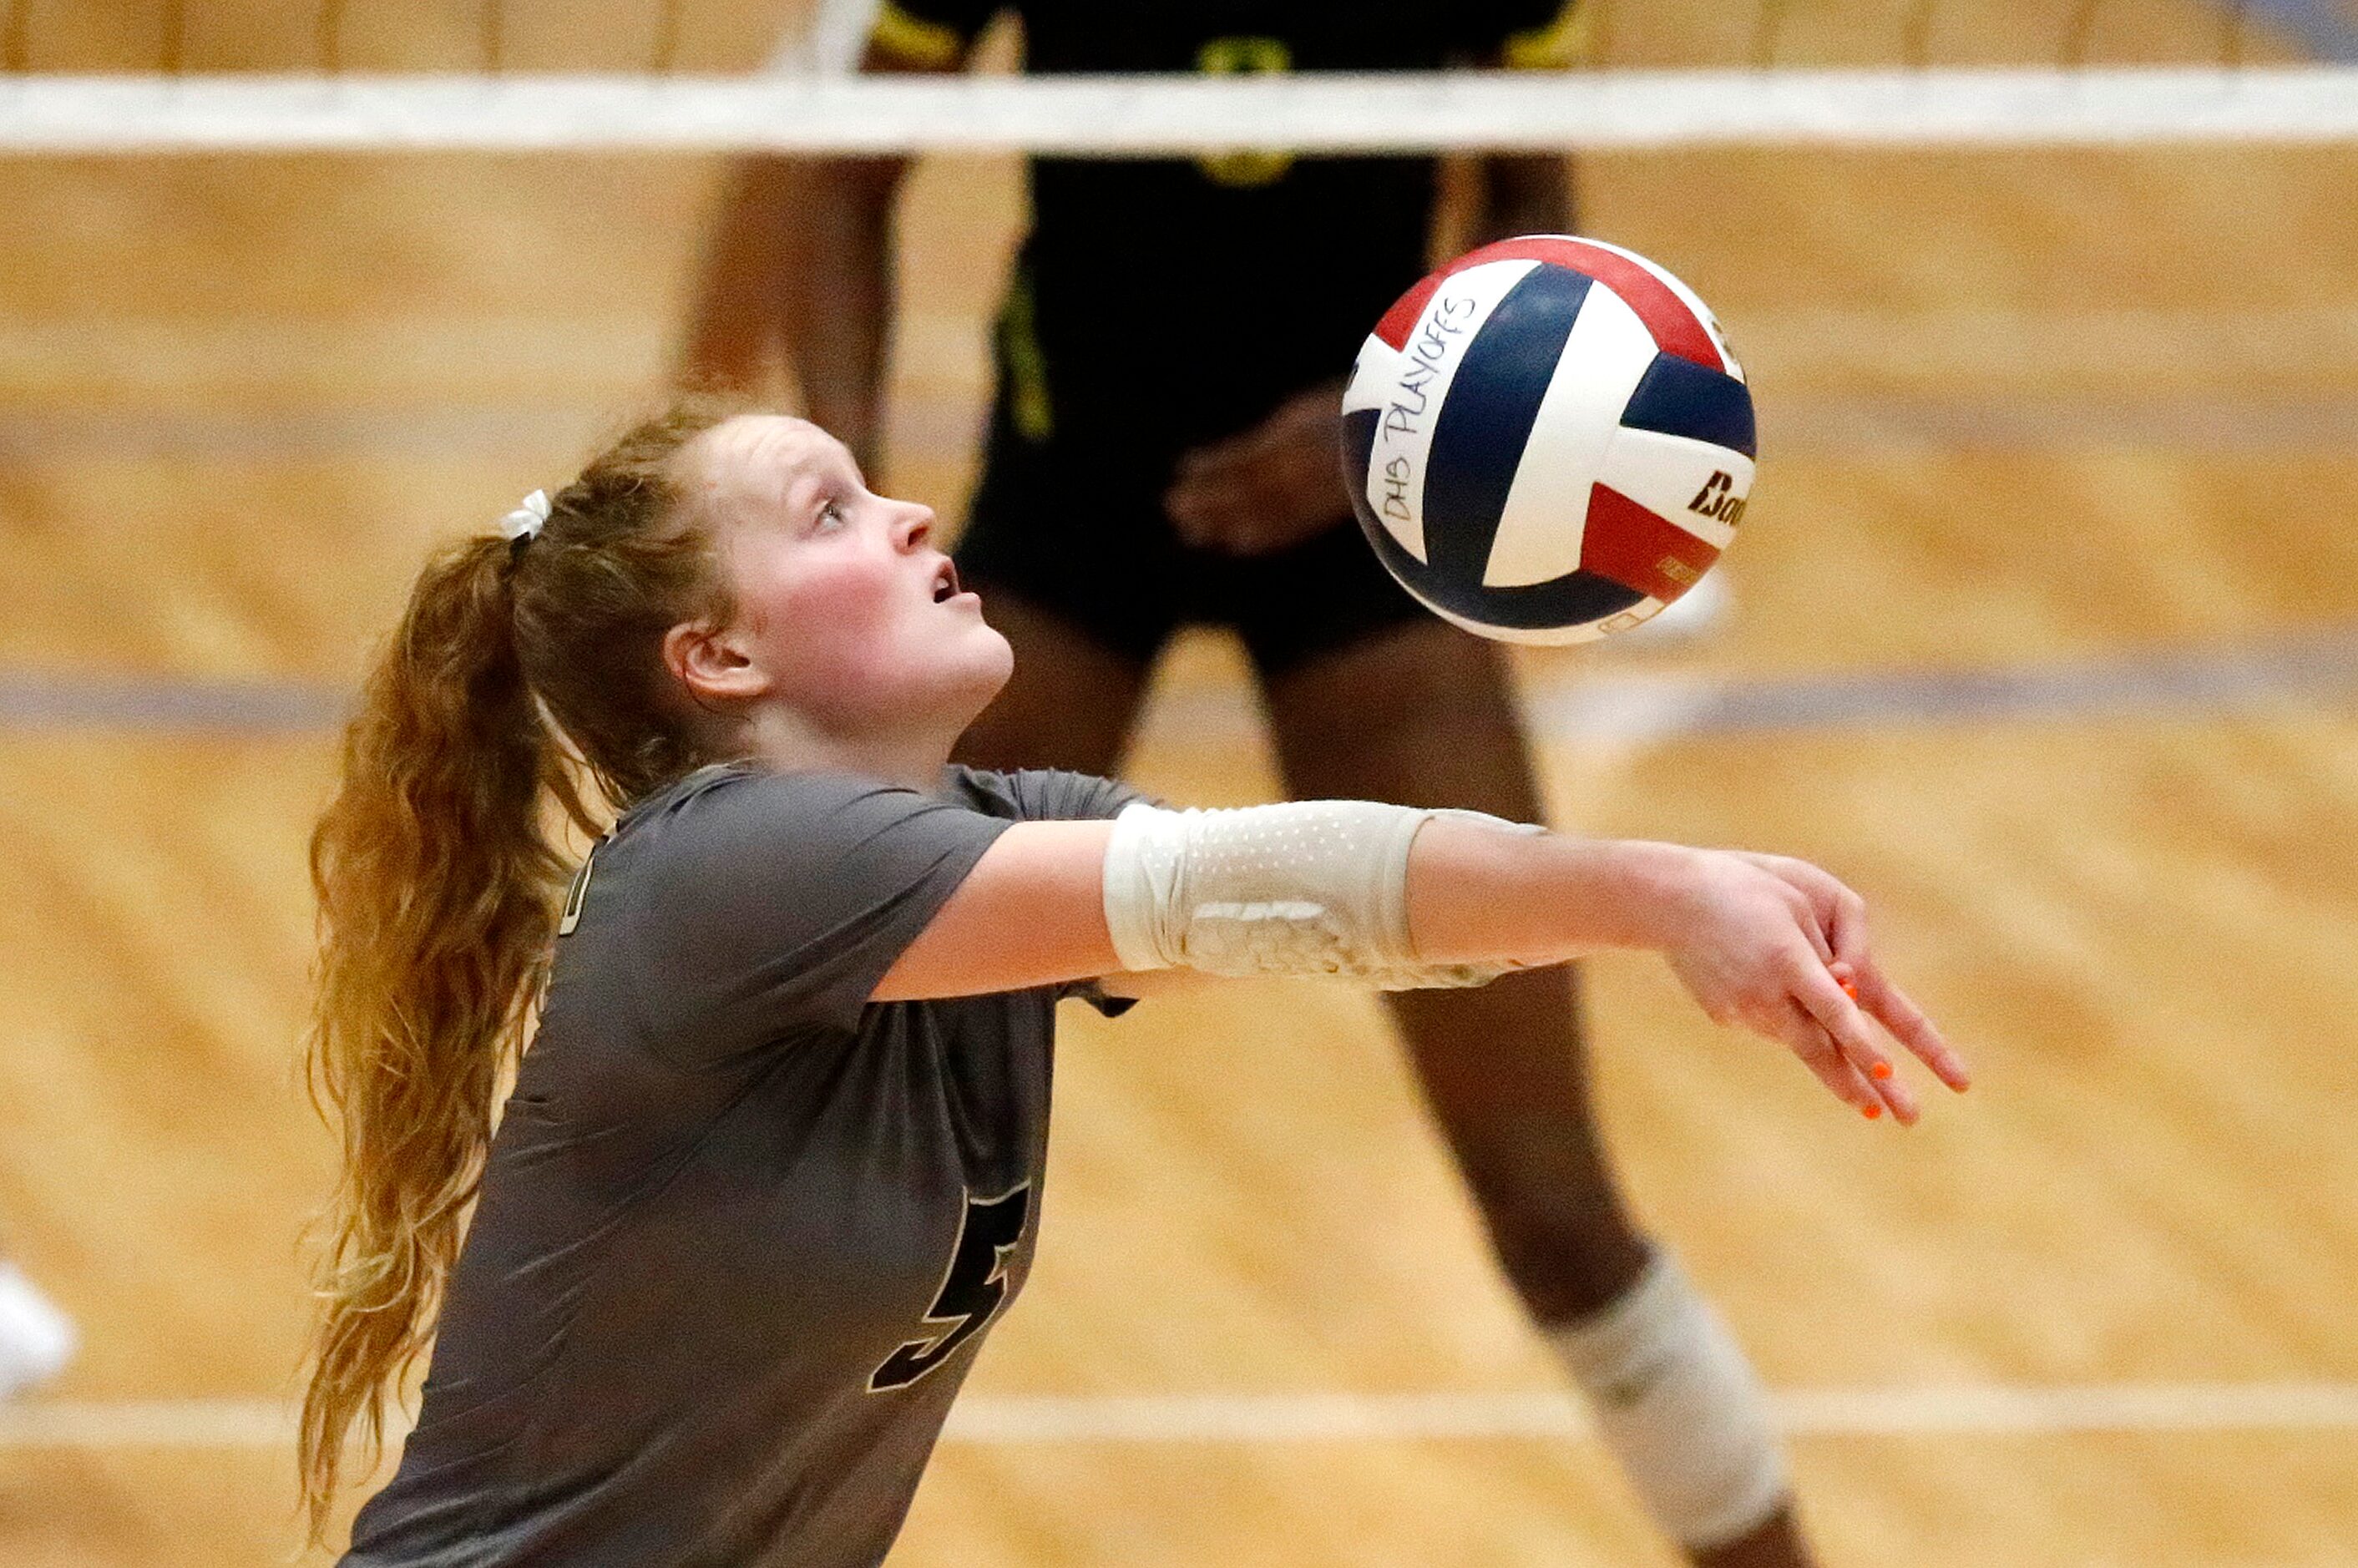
712 662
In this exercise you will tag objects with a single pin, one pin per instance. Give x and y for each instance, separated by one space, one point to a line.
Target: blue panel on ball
1485 421
1575 599
1477 444
1680 397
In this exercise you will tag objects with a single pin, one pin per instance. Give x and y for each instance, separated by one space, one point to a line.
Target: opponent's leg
1070 703
1421 714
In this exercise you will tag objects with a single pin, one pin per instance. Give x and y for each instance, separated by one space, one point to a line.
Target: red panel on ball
1640 548
1676 328
1400 320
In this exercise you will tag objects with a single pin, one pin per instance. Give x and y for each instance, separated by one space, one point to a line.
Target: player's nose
912 527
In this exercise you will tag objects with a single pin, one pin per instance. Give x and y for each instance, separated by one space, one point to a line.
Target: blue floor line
2307 667
2310 668
2321 27
224 707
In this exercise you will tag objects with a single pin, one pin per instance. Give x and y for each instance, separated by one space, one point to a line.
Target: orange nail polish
1850 990
1871 1112
1881 1069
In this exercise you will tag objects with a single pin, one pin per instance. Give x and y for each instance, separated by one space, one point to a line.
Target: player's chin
985 662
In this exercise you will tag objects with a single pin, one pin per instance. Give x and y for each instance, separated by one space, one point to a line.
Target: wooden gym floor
2045 633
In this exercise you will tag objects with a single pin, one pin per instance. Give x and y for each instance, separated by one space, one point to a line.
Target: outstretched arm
1765 941
1773 944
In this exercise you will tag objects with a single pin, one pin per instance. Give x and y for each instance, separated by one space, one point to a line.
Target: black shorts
1076 528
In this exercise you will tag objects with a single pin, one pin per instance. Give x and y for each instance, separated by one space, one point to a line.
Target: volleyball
1548 439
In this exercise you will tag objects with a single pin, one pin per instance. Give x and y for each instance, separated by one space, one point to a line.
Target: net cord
1125 117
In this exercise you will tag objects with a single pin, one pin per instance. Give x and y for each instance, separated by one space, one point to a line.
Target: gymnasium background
2045 633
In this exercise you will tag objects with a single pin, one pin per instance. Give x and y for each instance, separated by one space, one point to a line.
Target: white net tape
1116 116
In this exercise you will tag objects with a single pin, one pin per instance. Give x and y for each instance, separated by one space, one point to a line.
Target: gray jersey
741 1231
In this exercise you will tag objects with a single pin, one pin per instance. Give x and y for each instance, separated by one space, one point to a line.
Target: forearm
1520 193
800 262
1396 896
836 304
733 319
1477 894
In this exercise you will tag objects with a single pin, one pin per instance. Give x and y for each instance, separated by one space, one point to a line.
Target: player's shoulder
1042 794
731 806
721 790
739 814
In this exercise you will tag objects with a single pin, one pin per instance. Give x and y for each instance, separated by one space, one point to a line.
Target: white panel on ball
1373 370
1412 397
1548 636
1540 528
1668 475
1692 301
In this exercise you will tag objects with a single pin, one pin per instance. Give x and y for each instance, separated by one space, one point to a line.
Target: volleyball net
1921 74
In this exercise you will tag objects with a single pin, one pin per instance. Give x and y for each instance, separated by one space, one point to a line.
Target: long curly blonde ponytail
438 868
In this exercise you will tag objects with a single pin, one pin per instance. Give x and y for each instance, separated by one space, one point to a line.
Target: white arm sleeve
1309 888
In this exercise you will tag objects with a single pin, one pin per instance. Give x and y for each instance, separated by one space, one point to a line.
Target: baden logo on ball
1548 439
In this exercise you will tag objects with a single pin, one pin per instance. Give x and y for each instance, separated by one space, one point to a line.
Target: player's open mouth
945 584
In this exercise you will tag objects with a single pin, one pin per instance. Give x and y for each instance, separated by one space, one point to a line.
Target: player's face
854 617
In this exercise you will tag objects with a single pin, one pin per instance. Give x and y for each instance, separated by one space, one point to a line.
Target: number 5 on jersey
972 1292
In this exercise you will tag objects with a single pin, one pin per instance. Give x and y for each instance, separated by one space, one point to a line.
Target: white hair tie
527 520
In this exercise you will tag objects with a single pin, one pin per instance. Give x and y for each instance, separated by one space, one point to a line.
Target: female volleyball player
1163 449
765 1176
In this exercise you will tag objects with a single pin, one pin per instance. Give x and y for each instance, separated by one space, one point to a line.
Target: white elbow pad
1310 888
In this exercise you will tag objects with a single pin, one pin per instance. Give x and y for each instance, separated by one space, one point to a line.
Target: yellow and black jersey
1088 35
1193 294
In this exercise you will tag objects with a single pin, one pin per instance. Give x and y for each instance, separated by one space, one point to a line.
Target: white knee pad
1681 1407
1313 887
36 1340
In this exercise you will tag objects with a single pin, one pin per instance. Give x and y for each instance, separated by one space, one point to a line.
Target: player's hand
1781 947
1277 484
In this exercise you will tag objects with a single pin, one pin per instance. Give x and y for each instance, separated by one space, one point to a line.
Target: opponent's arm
1530 194
1758 940
1521 194
801 260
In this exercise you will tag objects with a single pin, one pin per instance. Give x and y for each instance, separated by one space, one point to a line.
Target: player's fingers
1808 1040
1213 457
1909 1025
1246 460
1823 995
1183 505
1243 529
1206 510
1789 1023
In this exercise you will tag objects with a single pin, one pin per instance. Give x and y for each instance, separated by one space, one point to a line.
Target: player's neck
786 741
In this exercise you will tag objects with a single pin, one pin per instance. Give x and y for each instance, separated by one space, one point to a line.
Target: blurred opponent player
1162 451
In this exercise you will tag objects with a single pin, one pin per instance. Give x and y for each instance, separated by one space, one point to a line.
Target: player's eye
830 517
